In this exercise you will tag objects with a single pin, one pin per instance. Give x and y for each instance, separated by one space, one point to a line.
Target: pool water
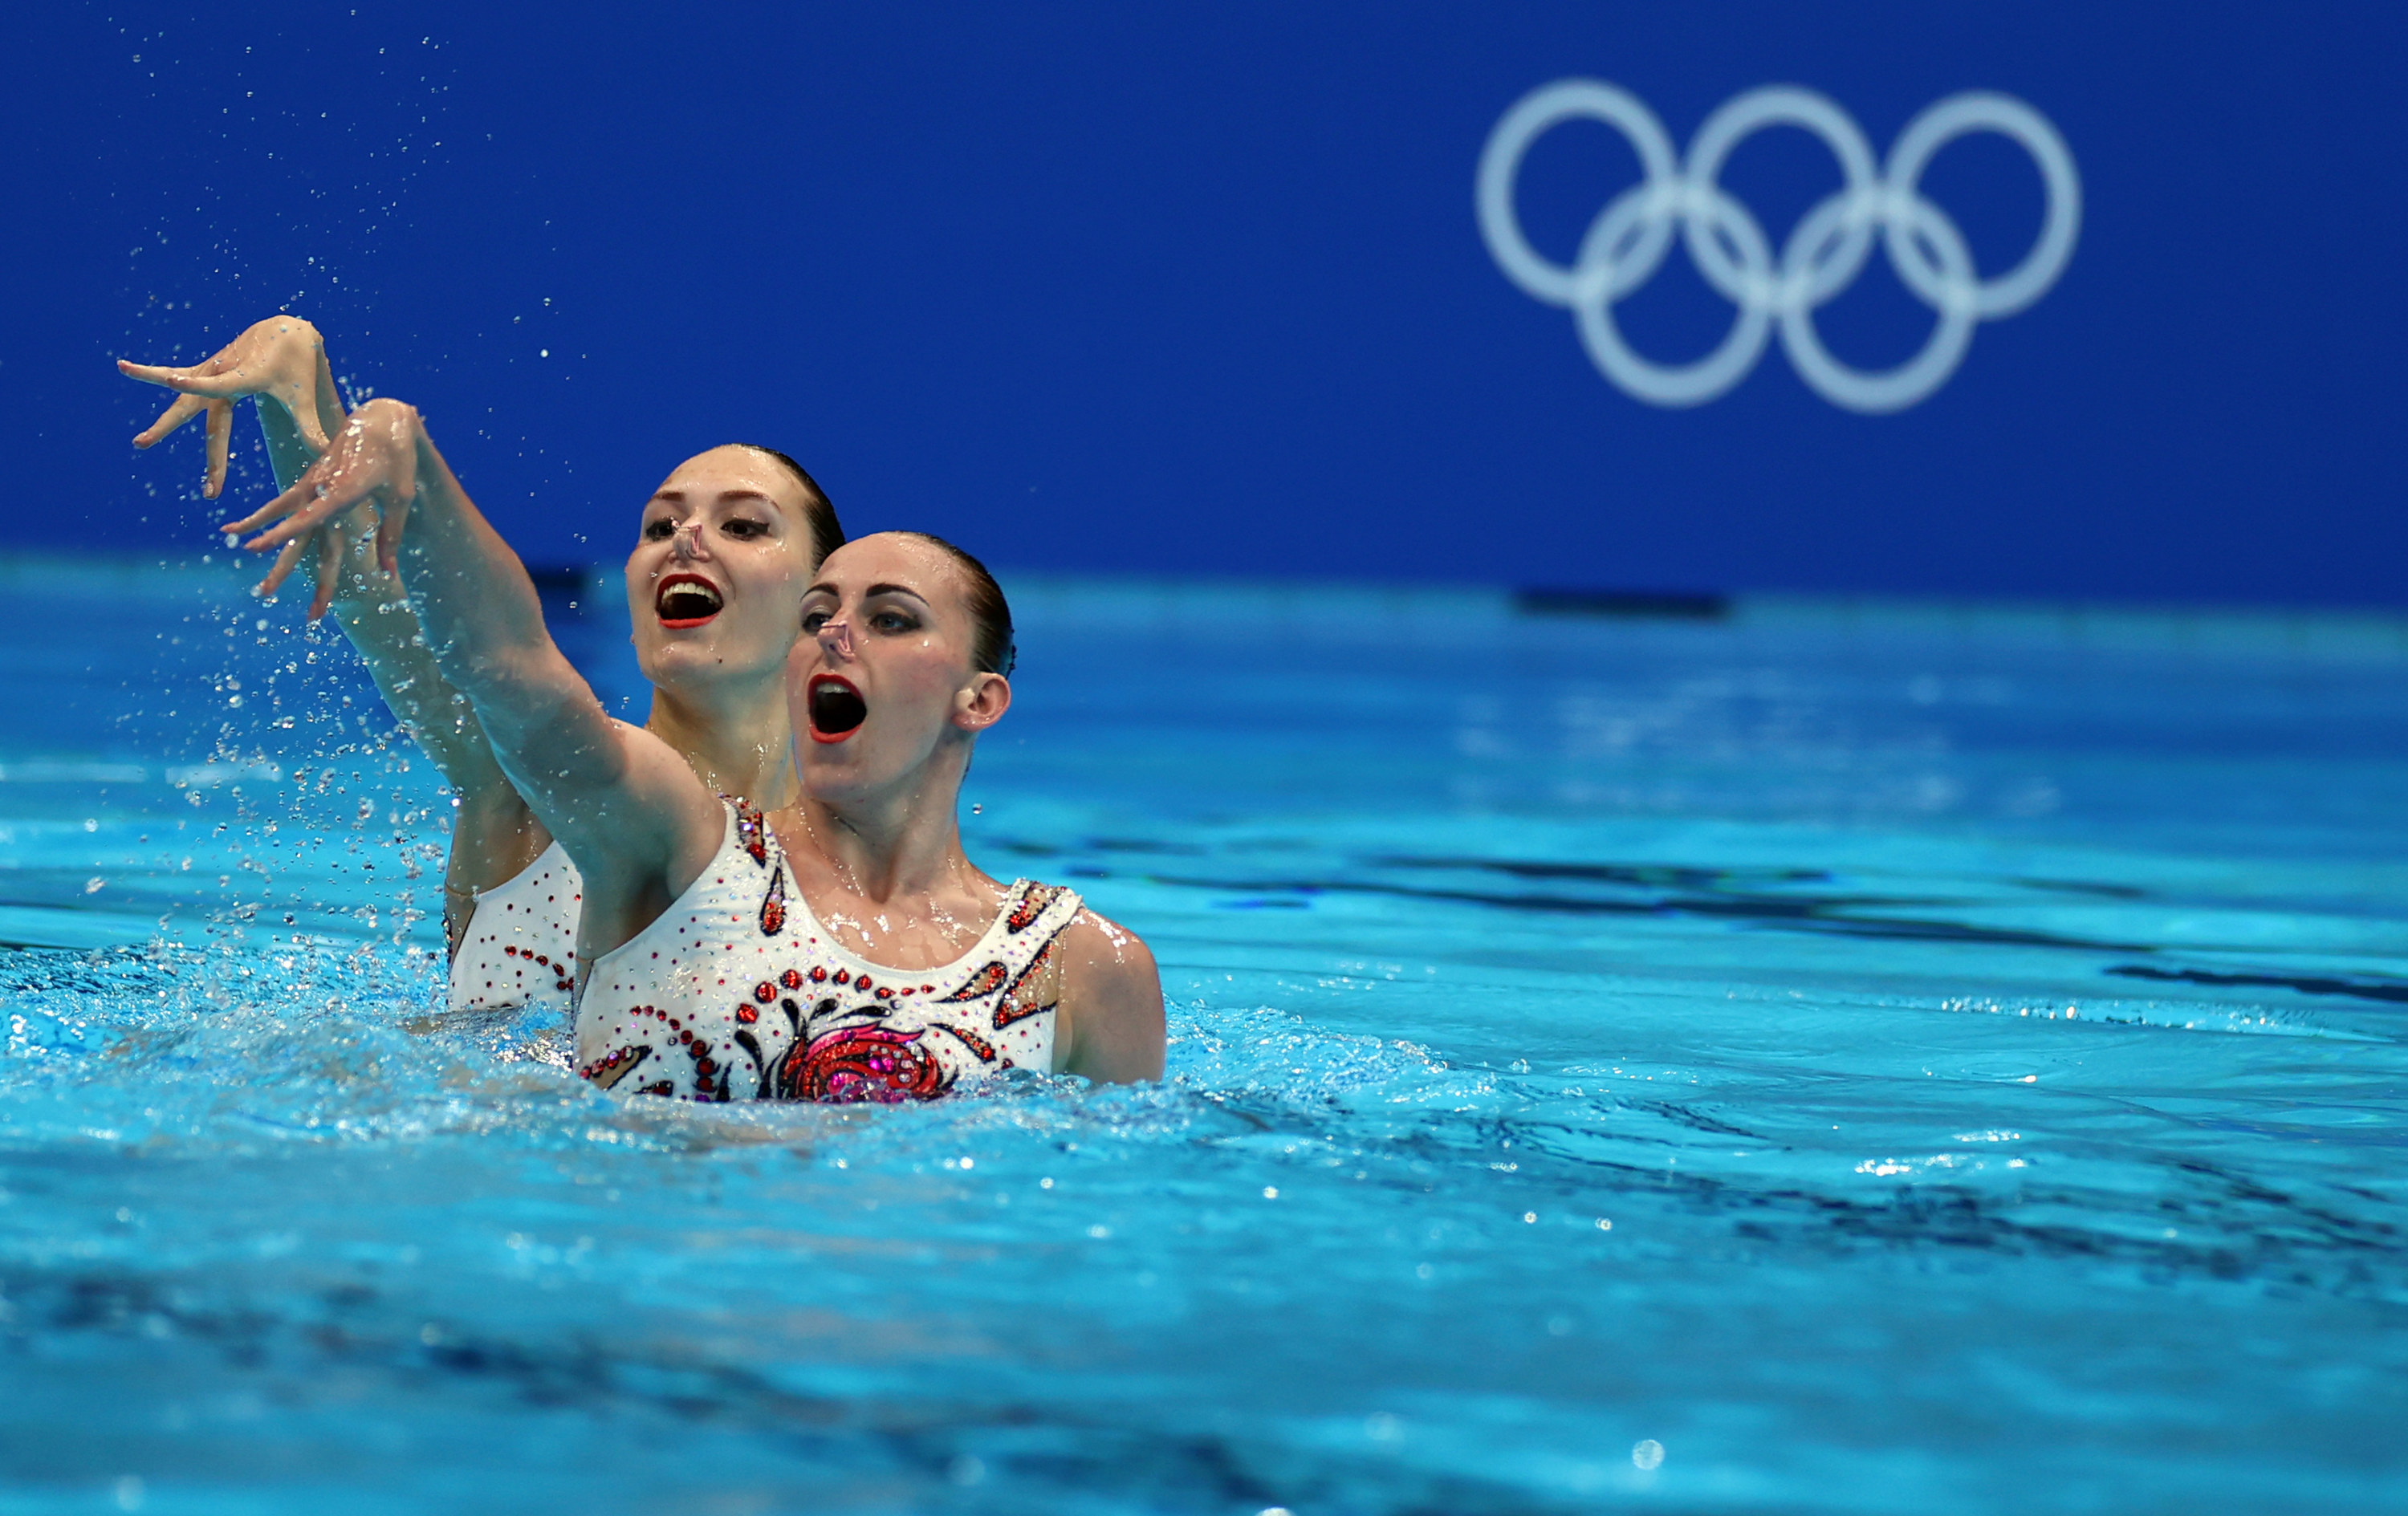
1841 1057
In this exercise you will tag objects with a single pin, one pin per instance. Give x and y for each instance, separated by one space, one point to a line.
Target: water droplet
1648 1454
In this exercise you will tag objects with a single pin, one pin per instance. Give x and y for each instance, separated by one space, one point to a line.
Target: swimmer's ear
981 702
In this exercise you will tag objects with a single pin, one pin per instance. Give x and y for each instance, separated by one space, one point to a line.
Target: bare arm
626 807
1111 1004
282 363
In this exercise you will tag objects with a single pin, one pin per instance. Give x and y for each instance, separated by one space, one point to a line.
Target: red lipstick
683 600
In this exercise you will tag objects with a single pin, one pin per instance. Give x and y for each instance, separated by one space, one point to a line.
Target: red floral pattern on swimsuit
738 993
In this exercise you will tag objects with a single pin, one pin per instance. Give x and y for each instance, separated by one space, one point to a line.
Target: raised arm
630 813
282 363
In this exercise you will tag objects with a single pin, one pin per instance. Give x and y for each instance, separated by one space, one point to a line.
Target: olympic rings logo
1631 236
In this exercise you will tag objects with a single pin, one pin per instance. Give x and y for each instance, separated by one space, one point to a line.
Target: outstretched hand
281 359
373 462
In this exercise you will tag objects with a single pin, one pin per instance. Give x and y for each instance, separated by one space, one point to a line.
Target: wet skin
873 840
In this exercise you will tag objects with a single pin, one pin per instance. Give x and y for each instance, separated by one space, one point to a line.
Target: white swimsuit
521 946
737 992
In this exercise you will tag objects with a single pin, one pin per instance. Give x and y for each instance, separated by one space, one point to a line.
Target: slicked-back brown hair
827 533
992 650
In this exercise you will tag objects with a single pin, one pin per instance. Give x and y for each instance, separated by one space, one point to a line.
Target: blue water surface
1842 1057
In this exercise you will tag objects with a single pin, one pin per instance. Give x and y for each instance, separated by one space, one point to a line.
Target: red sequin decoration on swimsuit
855 1063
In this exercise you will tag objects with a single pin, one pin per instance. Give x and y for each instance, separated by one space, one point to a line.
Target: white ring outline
1628 240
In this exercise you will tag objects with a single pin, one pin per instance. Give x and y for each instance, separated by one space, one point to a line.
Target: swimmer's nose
835 639
686 542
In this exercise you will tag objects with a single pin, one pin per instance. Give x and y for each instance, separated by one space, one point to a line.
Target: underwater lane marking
1805 915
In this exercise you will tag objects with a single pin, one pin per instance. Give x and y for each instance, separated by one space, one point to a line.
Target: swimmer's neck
897 844
742 744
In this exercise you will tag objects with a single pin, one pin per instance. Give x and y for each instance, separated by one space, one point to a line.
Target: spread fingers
186 406
302 492
285 562
221 427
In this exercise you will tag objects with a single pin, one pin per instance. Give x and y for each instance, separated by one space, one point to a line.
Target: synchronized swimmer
762 892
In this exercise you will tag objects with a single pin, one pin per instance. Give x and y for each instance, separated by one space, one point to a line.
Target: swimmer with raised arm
716 658
840 947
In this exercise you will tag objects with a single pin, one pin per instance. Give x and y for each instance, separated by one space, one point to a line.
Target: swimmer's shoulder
1111 1001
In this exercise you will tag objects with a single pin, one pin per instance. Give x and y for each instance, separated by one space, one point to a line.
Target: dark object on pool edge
2358 989
1669 605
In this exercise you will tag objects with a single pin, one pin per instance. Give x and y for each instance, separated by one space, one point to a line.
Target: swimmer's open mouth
686 600
836 708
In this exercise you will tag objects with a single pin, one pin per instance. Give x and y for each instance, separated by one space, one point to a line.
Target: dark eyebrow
824 587
678 496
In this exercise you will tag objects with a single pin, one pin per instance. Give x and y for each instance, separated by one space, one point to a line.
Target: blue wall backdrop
1200 288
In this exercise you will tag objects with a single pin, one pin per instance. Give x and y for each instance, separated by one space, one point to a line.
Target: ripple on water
1792 1063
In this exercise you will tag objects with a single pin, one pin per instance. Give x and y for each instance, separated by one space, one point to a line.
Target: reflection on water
1838 1058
